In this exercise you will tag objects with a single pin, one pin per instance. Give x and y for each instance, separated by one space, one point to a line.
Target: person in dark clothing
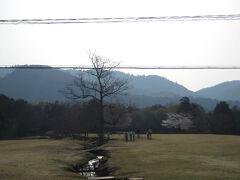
126 136
133 135
130 135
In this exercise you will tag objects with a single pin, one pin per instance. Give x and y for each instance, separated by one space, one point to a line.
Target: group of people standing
130 135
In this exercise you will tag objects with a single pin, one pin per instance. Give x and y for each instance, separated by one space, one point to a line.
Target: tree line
18 118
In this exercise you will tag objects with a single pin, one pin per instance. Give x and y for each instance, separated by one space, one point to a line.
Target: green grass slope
40 159
178 157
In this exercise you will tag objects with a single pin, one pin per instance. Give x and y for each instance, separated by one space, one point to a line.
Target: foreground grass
40 159
177 157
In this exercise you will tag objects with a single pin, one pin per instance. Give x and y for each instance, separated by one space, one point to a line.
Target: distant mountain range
224 91
36 85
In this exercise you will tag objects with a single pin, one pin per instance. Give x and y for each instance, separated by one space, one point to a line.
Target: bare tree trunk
97 84
101 123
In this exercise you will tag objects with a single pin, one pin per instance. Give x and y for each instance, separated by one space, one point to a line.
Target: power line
86 67
121 19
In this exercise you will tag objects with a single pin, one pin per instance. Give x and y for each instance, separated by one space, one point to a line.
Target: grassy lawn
39 159
185 157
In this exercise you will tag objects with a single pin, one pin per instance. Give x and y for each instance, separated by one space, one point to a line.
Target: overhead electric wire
119 20
122 19
86 67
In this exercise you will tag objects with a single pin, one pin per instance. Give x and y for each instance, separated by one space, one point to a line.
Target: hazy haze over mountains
154 86
225 91
36 85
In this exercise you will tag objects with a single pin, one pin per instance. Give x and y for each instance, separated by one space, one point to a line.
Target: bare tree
97 83
117 116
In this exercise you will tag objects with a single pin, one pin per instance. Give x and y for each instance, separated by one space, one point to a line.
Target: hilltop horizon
44 85
5 71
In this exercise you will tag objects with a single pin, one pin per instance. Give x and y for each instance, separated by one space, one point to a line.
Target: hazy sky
180 43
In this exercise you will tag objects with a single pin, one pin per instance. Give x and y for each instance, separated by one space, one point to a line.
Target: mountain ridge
228 90
36 85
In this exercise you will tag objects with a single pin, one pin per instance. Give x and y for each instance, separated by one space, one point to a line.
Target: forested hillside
36 85
225 91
